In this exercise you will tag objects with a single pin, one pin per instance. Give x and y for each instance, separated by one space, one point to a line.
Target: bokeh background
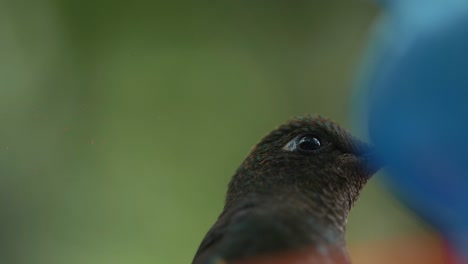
123 121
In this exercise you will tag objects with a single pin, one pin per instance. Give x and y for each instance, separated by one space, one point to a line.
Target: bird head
310 155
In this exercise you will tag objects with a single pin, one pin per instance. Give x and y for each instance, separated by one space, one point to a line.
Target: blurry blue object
412 97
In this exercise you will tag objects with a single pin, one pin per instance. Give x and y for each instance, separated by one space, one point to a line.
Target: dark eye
308 143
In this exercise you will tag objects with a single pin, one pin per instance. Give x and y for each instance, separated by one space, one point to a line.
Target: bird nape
289 200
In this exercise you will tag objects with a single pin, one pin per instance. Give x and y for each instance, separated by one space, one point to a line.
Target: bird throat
283 221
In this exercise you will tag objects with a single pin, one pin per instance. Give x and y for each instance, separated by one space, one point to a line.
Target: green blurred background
123 121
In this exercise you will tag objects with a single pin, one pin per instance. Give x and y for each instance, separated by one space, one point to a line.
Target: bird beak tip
370 158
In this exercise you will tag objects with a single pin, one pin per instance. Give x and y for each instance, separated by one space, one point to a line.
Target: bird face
314 143
311 154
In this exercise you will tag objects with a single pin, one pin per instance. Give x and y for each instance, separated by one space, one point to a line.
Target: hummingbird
289 200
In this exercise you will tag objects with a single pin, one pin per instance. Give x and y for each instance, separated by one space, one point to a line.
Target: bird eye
307 143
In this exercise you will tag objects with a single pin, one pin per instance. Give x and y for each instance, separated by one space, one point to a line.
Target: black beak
370 159
371 162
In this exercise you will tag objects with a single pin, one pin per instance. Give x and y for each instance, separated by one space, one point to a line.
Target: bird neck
320 219
318 201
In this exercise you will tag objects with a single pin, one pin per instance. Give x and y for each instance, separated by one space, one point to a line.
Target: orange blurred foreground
424 249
